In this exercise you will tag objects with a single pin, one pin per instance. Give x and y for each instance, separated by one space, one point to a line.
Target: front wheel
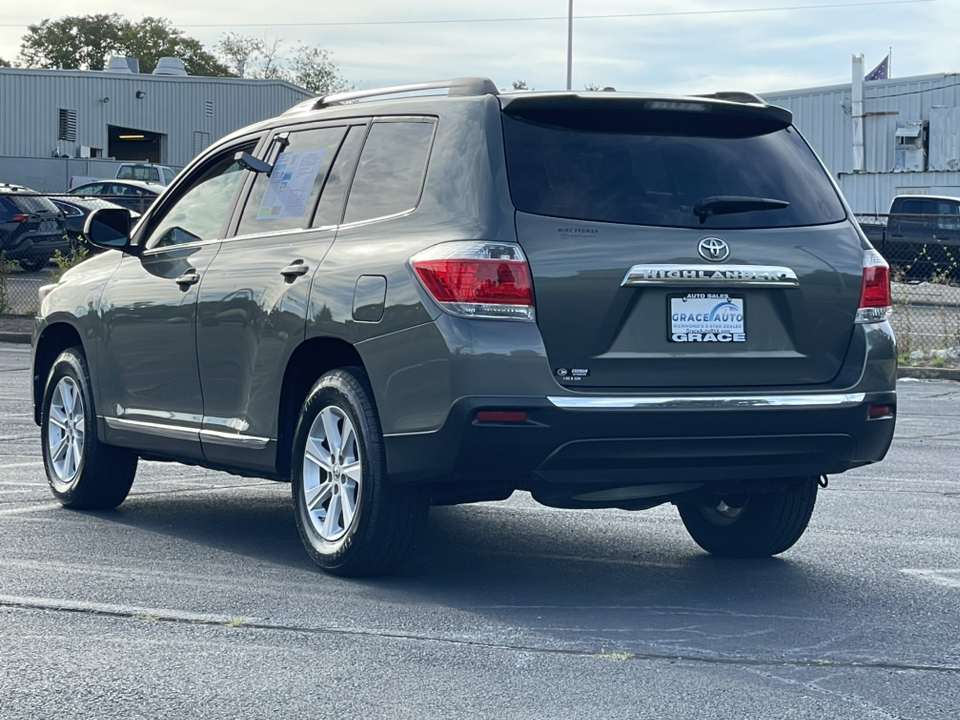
352 520
758 524
83 473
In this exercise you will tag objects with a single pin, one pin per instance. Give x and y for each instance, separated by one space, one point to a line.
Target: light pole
570 45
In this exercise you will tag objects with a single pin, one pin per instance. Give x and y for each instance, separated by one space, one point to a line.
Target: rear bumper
610 441
31 246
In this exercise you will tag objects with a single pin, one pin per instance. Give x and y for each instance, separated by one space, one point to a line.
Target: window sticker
291 182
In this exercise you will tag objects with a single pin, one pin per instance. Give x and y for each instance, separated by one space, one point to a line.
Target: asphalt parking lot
196 599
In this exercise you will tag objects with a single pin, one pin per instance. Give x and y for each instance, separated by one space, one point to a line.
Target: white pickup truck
147 172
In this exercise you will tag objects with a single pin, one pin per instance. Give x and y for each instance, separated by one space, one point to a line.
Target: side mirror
109 229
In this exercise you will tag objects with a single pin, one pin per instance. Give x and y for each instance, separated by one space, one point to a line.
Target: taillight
20 218
876 302
477 279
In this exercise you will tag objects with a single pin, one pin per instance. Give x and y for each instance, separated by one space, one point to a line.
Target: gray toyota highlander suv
393 300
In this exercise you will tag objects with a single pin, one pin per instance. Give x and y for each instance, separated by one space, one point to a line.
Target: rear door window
392 168
285 198
917 206
619 166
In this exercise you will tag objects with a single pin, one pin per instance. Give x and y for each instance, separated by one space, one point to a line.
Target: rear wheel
83 473
351 519
751 524
33 264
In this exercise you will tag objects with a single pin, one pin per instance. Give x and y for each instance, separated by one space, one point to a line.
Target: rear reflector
880 411
876 302
501 416
477 279
20 218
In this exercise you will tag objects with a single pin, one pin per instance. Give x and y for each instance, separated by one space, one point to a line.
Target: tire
751 524
33 264
352 520
83 473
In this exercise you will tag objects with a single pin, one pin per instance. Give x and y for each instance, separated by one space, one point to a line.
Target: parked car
919 236
131 194
605 299
76 210
31 227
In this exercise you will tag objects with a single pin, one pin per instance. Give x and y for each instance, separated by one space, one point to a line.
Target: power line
687 13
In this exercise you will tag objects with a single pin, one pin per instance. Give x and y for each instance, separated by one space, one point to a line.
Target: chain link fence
924 260
41 235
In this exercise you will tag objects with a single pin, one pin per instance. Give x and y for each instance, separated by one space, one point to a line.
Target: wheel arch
53 340
309 361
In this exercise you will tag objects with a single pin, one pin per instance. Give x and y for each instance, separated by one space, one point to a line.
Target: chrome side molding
706 275
176 432
707 402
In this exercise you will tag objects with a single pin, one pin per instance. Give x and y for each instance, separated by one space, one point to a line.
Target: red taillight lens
20 218
477 279
876 300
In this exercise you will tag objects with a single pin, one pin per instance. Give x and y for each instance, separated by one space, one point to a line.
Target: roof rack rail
464 86
737 96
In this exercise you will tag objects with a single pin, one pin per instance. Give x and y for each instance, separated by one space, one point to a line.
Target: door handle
188 278
294 269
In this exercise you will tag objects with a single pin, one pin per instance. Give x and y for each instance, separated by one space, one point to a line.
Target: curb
20 338
929 373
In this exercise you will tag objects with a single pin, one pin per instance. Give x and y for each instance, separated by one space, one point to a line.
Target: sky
665 46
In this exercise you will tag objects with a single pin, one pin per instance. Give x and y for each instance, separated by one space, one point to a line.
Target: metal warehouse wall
191 111
824 115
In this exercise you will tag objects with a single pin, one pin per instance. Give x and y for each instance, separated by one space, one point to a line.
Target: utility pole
570 45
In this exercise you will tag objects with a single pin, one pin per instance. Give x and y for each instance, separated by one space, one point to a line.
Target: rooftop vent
170 66
123 65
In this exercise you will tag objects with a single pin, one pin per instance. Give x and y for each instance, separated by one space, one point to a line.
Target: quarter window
392 167
200 211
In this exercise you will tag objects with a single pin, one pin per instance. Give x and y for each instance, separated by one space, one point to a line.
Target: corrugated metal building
163 118
911 136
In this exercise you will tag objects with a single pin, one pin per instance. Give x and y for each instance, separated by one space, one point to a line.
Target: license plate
48 226
707 317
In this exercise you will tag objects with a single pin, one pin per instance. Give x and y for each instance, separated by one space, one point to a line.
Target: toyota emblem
713 249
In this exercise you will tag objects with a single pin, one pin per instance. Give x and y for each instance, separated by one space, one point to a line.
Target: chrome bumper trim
707 402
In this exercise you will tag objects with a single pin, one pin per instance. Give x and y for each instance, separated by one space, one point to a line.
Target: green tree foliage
310 67
86 42
4 63
75 42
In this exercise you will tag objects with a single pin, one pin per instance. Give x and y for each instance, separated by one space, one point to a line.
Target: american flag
881 71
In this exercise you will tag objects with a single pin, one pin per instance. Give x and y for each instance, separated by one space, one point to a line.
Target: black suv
392 301
31 227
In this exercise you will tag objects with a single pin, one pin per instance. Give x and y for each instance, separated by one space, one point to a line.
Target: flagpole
570 45
889 62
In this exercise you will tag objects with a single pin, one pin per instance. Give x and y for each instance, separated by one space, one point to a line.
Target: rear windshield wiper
726 204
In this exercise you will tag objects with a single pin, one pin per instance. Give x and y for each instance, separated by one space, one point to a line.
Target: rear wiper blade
726 204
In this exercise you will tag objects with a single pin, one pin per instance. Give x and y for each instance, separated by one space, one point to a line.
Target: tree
310 67
521 85
74 42
85 42
153 38
4 63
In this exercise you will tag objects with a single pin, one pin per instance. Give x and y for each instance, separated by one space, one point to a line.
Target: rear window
32 204
139 172
623 167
